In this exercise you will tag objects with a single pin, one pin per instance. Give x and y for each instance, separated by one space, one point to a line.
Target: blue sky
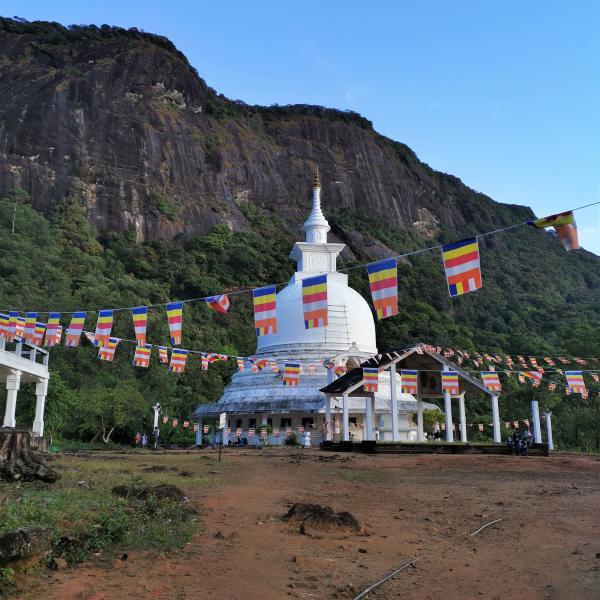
504 95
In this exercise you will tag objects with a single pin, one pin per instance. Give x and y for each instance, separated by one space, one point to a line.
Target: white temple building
252 399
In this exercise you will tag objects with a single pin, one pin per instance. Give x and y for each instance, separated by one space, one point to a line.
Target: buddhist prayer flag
4 327
383 279
533 362
20 326
175 421
89 336
142 356
265 314
205 429
595 377
204 361
52 329
450 383
370 380
219 304
409 381
551 386
178 359
534 376
575 382
565 227
29 331
195 427
461 261
186 424
314 301
38 334
274 367
480 426
165 419
291 374
74 329
175 321
491 381
140 321
240 363
107 349
163 355
103 326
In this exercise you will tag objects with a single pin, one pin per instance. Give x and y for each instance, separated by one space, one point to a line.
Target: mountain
135 182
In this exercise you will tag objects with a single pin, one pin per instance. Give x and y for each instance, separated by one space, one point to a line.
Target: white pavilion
252 399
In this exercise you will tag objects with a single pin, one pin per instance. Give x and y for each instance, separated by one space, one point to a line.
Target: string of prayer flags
107 349
461 262
139 315
29 331
383 280
565 227
142 354
52 329
240 363
175 321
314 301
534 376
74 329
409 381
370 380
291 374
103 326
575 382
38 333
178 360
163 355
219 304
491 381
450 383
265 313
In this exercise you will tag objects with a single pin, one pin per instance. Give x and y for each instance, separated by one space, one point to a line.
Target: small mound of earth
159 469
163 491
314 517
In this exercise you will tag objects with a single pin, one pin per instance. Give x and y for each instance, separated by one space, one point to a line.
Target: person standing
137 438
155 436
144 441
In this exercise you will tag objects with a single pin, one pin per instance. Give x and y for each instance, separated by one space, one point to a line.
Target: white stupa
252 399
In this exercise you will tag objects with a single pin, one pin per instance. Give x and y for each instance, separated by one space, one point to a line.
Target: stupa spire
316 226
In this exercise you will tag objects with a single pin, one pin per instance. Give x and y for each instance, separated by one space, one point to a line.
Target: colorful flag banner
291 374
52 329
383 280
265 312
163 355
575 382
461 262
20 327
178 360
74 329
205 429
450 383
175 421
103 326
370 380
219 304
549 362
29 331
195 428
533 362
551 386
565 227
595 377
314 301
409 381
142 354
11 327
4 326
38 334
480 426
175 321
240 363
491 381
204 361
186 424
107 349
139 315
165 419
274 367
534 376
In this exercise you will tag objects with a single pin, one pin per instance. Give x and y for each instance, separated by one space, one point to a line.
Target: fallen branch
378 583
484 527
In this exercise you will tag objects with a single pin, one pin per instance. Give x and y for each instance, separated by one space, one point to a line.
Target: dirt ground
546 546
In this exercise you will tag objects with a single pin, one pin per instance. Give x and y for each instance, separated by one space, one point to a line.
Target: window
238 423
270 422
308 422
251 422
285 422
352 421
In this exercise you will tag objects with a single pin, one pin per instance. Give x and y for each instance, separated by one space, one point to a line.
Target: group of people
141 439
519 443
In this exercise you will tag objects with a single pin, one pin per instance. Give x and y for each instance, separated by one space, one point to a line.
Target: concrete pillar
549 439
329 428
535 417
448 411
394 401
369 433
496 419
13 383
420 429
345 419
463 418
199 433
2 342
41 389
156 409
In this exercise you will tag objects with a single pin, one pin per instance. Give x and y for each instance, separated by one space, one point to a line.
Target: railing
24 350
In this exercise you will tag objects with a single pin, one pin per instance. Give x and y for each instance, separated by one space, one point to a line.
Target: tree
431 416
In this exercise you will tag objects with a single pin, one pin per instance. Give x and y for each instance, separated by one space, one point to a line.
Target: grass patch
160 203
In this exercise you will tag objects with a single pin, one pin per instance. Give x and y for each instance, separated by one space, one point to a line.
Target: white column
369 435
548 416
463 418
41 389
329 429
13 383
420 431
199 433
394 400
345 419
448 415
535 417
496 419
156 409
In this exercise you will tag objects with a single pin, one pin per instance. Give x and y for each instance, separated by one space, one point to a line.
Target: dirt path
547 545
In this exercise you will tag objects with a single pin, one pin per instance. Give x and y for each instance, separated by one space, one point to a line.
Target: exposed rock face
23 543
123 121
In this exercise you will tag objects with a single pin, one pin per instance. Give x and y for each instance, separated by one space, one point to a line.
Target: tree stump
18 462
